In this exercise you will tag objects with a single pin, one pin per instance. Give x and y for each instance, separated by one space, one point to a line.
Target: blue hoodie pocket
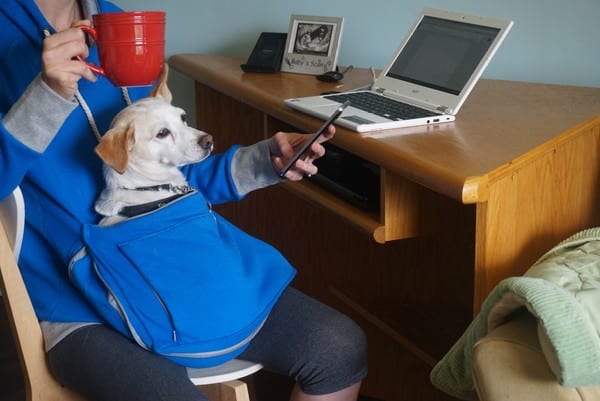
187 284
195 278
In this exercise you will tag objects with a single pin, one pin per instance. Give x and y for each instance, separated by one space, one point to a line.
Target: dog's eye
184 118
164 132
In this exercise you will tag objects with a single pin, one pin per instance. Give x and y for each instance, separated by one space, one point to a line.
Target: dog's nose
206 142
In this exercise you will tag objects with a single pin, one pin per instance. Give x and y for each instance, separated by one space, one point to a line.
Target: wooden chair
219 383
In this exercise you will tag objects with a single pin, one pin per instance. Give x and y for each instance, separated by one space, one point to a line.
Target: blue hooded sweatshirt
47 147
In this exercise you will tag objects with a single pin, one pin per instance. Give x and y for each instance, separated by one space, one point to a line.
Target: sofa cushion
508 364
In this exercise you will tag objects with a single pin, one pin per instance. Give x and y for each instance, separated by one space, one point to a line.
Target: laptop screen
442 54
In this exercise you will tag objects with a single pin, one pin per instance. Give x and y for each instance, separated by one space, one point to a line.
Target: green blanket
562 290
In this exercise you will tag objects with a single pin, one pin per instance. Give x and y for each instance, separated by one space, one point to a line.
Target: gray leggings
323 350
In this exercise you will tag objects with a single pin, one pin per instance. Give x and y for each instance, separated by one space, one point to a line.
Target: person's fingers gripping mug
131 46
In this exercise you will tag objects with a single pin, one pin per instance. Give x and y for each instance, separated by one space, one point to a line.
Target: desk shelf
403 212
367 222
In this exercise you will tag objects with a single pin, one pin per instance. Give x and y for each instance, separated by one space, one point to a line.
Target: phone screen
315 136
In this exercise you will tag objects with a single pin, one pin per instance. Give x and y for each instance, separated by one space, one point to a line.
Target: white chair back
12 217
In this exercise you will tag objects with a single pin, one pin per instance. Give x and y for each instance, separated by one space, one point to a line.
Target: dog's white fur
147 143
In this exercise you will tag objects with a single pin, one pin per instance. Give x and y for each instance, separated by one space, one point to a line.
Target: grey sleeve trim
38 115
251 168
55 332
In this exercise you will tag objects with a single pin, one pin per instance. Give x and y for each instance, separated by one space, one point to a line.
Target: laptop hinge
414 101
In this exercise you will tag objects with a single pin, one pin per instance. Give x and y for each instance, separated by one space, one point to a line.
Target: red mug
131 46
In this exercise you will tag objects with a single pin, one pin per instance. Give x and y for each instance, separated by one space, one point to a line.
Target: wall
552 41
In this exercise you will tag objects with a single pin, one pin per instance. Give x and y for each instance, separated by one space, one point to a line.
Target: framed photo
312 44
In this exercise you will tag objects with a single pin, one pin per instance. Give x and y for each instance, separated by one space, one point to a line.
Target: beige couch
508 364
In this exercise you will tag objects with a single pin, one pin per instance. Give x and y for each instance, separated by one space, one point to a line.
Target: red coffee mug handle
92 32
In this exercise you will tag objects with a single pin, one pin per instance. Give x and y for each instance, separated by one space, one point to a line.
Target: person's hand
60 70
283 146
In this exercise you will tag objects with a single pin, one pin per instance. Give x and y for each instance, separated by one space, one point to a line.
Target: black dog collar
178 189
136 210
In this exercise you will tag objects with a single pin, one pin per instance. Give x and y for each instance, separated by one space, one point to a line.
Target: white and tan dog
142 151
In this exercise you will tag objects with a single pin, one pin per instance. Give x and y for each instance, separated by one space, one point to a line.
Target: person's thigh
102 365
322 349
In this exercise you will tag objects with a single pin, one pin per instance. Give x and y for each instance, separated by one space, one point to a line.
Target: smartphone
315 136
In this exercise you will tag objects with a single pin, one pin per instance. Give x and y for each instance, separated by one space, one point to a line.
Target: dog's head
151 133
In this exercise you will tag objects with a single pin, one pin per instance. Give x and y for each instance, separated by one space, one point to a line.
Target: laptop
427 80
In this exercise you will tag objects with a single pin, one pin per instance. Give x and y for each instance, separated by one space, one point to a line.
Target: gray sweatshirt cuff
251 168
38 115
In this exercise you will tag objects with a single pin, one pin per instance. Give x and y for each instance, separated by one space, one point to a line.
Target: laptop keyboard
382 106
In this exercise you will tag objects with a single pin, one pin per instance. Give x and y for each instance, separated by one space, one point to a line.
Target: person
46 148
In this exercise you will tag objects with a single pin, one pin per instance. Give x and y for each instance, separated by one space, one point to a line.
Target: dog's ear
161 90
114 147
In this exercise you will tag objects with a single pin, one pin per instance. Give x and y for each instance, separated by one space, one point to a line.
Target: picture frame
312 44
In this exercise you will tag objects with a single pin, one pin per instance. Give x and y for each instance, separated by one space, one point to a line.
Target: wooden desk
463 205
